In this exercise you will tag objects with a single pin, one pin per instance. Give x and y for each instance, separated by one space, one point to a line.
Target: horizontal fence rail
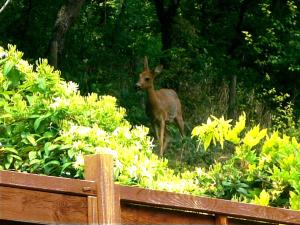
41 207
44 199
208 205
47 183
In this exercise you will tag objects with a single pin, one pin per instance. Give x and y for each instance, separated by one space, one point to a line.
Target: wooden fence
35 199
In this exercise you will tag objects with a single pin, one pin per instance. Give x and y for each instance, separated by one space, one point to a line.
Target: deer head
147 76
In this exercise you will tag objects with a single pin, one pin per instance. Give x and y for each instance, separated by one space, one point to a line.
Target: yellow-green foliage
219 130
47 127
264 167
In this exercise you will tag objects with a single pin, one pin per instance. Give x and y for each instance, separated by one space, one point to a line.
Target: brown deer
163 105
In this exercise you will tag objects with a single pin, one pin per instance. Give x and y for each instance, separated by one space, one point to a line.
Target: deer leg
157 135
180 124
161 137
166 141
156 131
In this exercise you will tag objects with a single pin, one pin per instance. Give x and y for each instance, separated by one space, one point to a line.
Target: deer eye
147 79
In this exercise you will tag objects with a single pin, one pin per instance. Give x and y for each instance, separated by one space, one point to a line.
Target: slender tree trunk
117 26
166 15
65 18
53 53
232 97
235 43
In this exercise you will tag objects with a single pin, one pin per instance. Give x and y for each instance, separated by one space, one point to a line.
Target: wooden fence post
221 220
99 168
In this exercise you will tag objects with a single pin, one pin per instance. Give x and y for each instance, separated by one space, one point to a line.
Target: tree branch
4 6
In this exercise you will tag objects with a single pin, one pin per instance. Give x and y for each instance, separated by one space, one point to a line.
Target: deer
163 105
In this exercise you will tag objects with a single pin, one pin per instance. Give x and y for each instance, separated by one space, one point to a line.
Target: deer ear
158 69
146 67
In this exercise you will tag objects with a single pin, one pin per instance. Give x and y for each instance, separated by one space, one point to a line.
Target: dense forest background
222 57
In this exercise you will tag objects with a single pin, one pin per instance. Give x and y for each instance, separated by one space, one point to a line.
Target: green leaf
8 161
53 162
63 147
35 161
242 191
71 153
38 121
243 185
17 157
295 200
6 95
30 99
7 165
42 83
32 116
32 155
31 139
263 199
226 183
50 147
7 67
26 149
65 166
7 115
254 136
13 75
12 150
47 135
207 140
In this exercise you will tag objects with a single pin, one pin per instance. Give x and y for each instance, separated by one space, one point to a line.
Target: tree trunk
117 26
166 15
65 18
235 43
232 98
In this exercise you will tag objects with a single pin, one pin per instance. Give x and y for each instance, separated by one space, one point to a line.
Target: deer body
163 105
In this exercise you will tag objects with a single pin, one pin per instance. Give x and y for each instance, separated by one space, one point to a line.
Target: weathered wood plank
221 220
138 214
99 168
42 207
92 210
117 204
7 222
47 183
137 195
208 205
233 221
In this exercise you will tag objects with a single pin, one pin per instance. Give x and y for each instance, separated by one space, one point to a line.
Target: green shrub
47 127
264 167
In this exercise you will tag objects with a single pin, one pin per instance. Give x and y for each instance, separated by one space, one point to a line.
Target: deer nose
138 86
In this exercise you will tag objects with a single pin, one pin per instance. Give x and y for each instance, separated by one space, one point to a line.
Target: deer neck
153 99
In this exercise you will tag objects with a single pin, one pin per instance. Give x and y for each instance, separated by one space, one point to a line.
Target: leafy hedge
47 127
263 169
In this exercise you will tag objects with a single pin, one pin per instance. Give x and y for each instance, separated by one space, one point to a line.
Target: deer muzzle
138 86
